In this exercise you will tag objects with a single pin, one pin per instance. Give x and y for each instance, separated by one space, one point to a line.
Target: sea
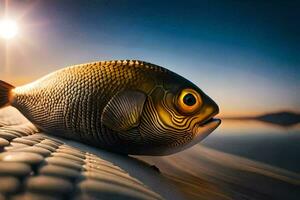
260 141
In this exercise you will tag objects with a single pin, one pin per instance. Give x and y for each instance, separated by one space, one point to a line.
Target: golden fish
130 107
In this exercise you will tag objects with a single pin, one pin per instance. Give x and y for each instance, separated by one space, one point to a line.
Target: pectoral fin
124 110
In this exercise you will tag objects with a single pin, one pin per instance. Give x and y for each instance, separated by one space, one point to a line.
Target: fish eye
189 101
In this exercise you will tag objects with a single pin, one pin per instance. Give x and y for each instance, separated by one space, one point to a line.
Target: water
260 141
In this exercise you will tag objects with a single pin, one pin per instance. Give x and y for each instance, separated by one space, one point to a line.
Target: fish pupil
189 99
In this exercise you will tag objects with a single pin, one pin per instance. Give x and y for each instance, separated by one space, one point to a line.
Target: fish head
176 115
172 114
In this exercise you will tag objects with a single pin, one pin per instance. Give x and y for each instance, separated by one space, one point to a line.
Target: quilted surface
38 166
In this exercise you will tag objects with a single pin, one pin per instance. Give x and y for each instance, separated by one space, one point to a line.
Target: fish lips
202 130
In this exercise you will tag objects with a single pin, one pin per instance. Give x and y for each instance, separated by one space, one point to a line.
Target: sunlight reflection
230 126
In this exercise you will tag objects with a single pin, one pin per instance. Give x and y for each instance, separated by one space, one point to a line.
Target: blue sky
244 54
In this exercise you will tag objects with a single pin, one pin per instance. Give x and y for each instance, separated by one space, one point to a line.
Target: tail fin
5 93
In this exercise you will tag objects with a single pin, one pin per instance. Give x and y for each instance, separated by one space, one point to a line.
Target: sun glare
8 29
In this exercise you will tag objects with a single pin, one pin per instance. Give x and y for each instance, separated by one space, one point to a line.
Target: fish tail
5 94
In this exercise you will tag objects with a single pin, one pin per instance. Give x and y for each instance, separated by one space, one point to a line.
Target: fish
124 106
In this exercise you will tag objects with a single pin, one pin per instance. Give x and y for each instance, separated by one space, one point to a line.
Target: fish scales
79 84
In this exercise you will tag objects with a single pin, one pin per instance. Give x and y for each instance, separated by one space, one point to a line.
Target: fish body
130 107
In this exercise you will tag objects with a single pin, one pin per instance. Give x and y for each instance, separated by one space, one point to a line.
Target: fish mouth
209 121
203 129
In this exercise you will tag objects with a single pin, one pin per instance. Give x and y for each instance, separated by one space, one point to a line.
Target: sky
243 54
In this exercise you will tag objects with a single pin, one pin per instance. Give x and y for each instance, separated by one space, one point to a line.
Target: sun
8 29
